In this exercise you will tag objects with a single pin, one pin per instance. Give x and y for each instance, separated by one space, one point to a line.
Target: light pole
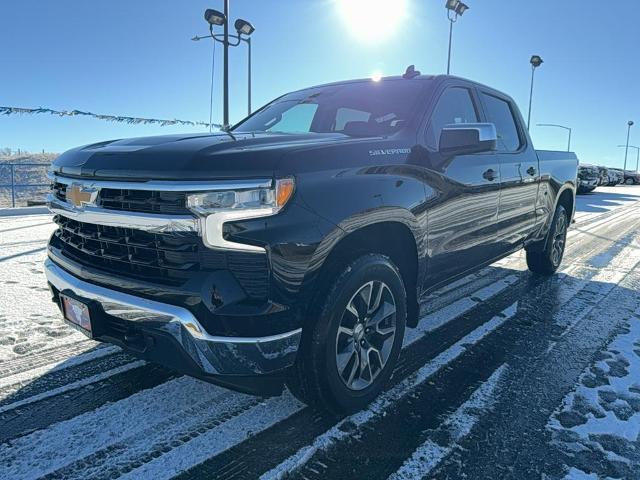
637 154
244 29
455 9
626 152
536 61
558 126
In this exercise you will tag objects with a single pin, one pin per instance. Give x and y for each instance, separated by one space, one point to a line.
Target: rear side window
455 106
500 113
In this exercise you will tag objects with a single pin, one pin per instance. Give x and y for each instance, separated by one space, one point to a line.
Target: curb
14 212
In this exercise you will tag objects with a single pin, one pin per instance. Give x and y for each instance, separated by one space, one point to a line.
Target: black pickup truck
295 247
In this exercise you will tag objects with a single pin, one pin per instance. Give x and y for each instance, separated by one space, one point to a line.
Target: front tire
349 353
546 261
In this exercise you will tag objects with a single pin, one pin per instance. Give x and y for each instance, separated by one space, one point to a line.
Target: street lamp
626 152
244 29
558 126
536 61
214 17
455 9
637 152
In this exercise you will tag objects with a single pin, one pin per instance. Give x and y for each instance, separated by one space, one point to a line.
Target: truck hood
190 157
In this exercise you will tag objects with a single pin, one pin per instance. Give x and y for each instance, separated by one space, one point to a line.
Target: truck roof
398 77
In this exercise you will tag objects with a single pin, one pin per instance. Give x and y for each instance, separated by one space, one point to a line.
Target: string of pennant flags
108 118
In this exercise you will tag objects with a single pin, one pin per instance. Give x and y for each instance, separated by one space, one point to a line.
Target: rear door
519 175
462 193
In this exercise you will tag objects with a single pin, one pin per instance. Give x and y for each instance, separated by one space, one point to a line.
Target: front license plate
77 314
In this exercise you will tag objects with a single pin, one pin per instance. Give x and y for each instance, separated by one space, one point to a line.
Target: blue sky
135 58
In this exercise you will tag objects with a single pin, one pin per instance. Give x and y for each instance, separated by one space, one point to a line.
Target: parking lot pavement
507 376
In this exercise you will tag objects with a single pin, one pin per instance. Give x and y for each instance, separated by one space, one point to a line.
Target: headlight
217 207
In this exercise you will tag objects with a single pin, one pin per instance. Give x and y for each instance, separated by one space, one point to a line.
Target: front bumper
172 335
589 183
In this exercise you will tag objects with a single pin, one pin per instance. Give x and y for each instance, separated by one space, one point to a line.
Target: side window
499 113
455 106
346 115
297 119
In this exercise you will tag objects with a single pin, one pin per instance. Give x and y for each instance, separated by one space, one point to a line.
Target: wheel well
392 239
566 200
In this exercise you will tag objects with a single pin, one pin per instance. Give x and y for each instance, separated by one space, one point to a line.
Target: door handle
531 171
489 175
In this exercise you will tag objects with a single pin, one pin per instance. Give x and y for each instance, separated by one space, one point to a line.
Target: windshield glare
355 109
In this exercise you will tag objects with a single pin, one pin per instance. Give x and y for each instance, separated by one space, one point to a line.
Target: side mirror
468 138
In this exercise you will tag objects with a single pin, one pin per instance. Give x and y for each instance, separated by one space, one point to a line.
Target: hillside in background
28 169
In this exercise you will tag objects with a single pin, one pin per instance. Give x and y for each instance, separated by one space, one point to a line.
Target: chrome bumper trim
113 218
165 186
215 355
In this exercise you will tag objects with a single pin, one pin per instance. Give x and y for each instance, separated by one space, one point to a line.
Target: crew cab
296 246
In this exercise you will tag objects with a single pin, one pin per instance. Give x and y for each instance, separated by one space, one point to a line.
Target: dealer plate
77 314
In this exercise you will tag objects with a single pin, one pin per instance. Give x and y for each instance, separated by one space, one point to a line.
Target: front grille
141 201
156 257
59 191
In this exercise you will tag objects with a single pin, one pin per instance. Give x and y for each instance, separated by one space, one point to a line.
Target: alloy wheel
366 335
559 240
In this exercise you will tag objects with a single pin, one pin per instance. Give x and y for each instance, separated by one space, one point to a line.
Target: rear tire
545 261
348 354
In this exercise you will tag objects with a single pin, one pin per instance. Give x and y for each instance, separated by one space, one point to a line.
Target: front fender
326 208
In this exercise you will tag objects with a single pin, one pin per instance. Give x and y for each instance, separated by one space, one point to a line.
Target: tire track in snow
452 430
352 428
67 387
64 443
43 414
40 380
130 453
53 357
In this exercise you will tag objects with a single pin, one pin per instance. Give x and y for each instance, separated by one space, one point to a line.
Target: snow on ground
453 429
598 425
29 321
605 199
383 402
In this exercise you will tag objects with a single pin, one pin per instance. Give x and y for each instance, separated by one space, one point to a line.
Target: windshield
356 109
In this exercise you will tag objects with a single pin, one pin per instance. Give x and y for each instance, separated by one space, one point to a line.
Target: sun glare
372 21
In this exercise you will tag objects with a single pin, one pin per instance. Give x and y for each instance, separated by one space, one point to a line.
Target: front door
462 195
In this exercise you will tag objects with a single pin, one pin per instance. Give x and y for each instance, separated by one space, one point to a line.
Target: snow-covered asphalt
507 376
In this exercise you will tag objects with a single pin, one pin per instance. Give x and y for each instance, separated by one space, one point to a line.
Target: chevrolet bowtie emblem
80 196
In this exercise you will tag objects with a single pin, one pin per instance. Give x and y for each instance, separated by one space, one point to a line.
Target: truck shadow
599 202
